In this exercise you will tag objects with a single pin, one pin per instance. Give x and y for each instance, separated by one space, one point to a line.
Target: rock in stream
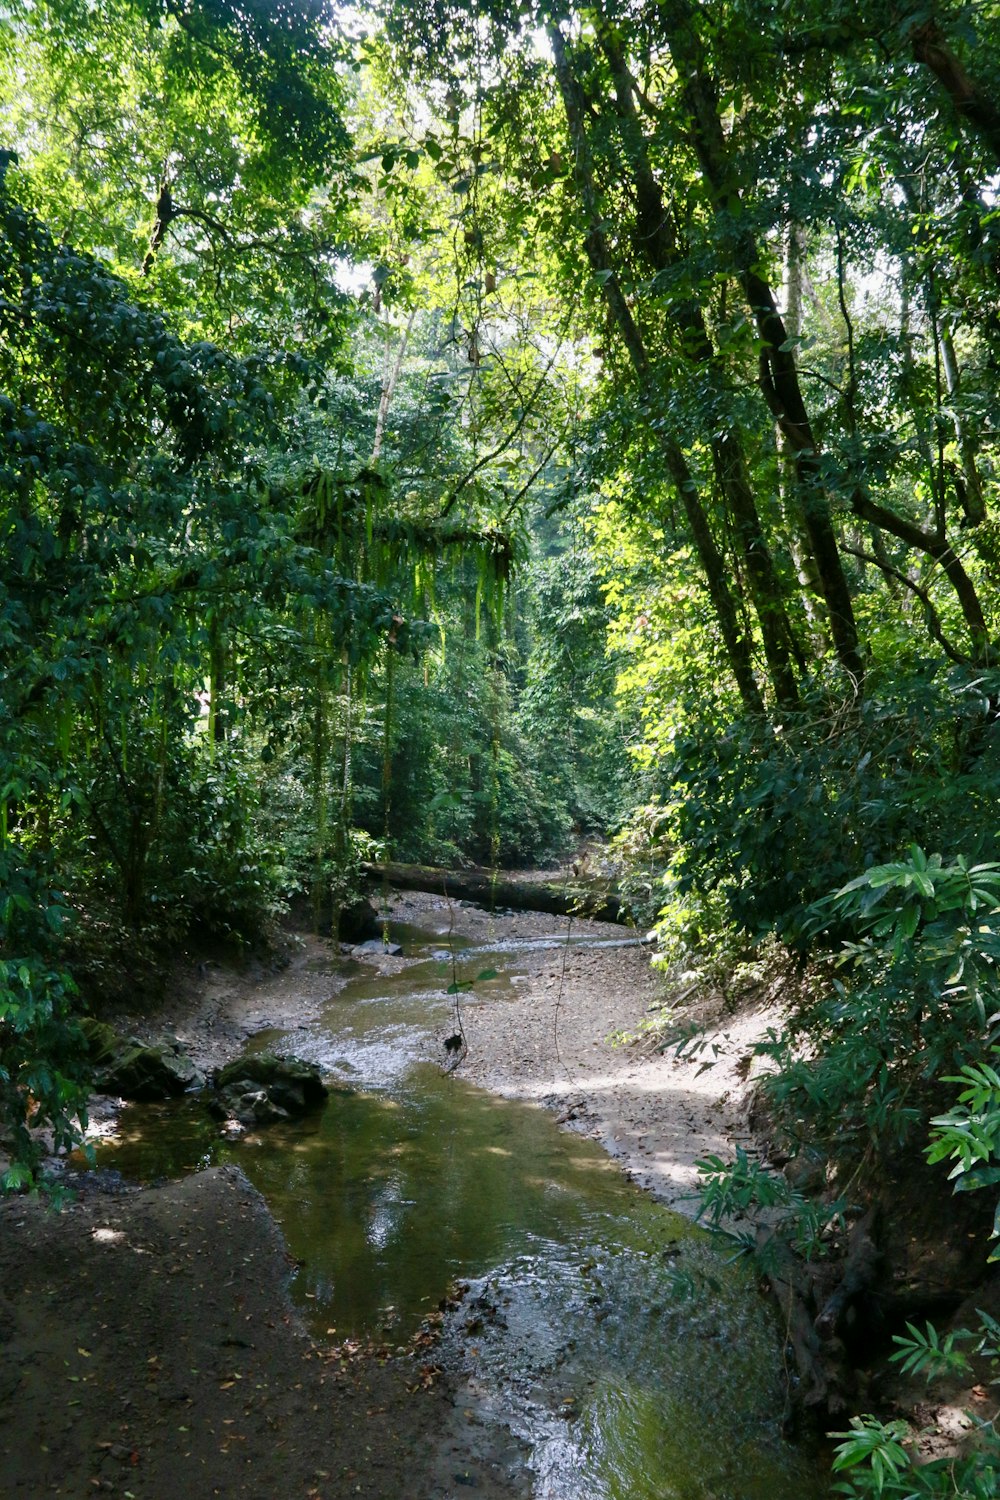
260 1088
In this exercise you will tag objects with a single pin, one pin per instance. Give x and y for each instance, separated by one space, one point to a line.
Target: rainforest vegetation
454 432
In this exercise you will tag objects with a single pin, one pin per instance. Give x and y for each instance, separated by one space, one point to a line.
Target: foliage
411 415
189 144
909 998
743 1188
749 807
566 703
161 574
460 431
968 1134
879 1445
929 1354
641 852
889 905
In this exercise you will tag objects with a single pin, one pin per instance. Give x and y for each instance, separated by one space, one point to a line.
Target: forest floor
150 1349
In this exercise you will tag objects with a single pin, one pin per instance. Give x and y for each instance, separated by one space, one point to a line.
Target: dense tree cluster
457 429
261 498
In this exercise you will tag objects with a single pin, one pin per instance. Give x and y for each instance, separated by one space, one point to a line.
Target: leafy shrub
734 1190
912 997
968 1134
880 1458
770 820
42 1080
229 880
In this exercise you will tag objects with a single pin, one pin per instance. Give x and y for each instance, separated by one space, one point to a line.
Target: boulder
102 1041
355 922
261 1087
378 945
133 1069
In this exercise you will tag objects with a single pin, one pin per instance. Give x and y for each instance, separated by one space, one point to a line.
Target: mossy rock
267 1069
145 1073
133 1069
102 1041
261 1087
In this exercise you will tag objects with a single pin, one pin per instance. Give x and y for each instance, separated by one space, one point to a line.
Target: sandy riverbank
552 1038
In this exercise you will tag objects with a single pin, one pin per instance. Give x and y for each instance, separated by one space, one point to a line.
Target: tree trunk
654 243
823 1388
798 541
969 489
738 646
580 897
216 687
971 101
780 385
778 375
859 1275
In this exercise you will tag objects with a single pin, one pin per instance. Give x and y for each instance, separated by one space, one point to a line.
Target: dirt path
149 1347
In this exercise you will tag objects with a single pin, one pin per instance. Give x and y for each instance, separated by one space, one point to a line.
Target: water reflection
600 1327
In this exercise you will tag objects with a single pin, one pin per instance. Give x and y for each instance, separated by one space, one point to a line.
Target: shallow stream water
610 1336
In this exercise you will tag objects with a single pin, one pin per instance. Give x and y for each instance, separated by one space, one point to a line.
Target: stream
612 1338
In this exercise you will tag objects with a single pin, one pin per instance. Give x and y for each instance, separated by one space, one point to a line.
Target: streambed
600 1328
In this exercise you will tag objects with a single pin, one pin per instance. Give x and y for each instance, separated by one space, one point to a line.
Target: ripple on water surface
634 1362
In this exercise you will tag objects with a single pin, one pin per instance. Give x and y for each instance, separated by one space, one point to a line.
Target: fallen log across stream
579 897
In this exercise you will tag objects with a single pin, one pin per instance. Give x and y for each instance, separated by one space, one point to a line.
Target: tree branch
932 618
501 447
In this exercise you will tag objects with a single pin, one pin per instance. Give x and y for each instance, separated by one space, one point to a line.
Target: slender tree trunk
737 644
216 687
654 242
805 565
971 498
938 547
921 424
969 487
766 588
390 379
778 375
320 794
934 543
